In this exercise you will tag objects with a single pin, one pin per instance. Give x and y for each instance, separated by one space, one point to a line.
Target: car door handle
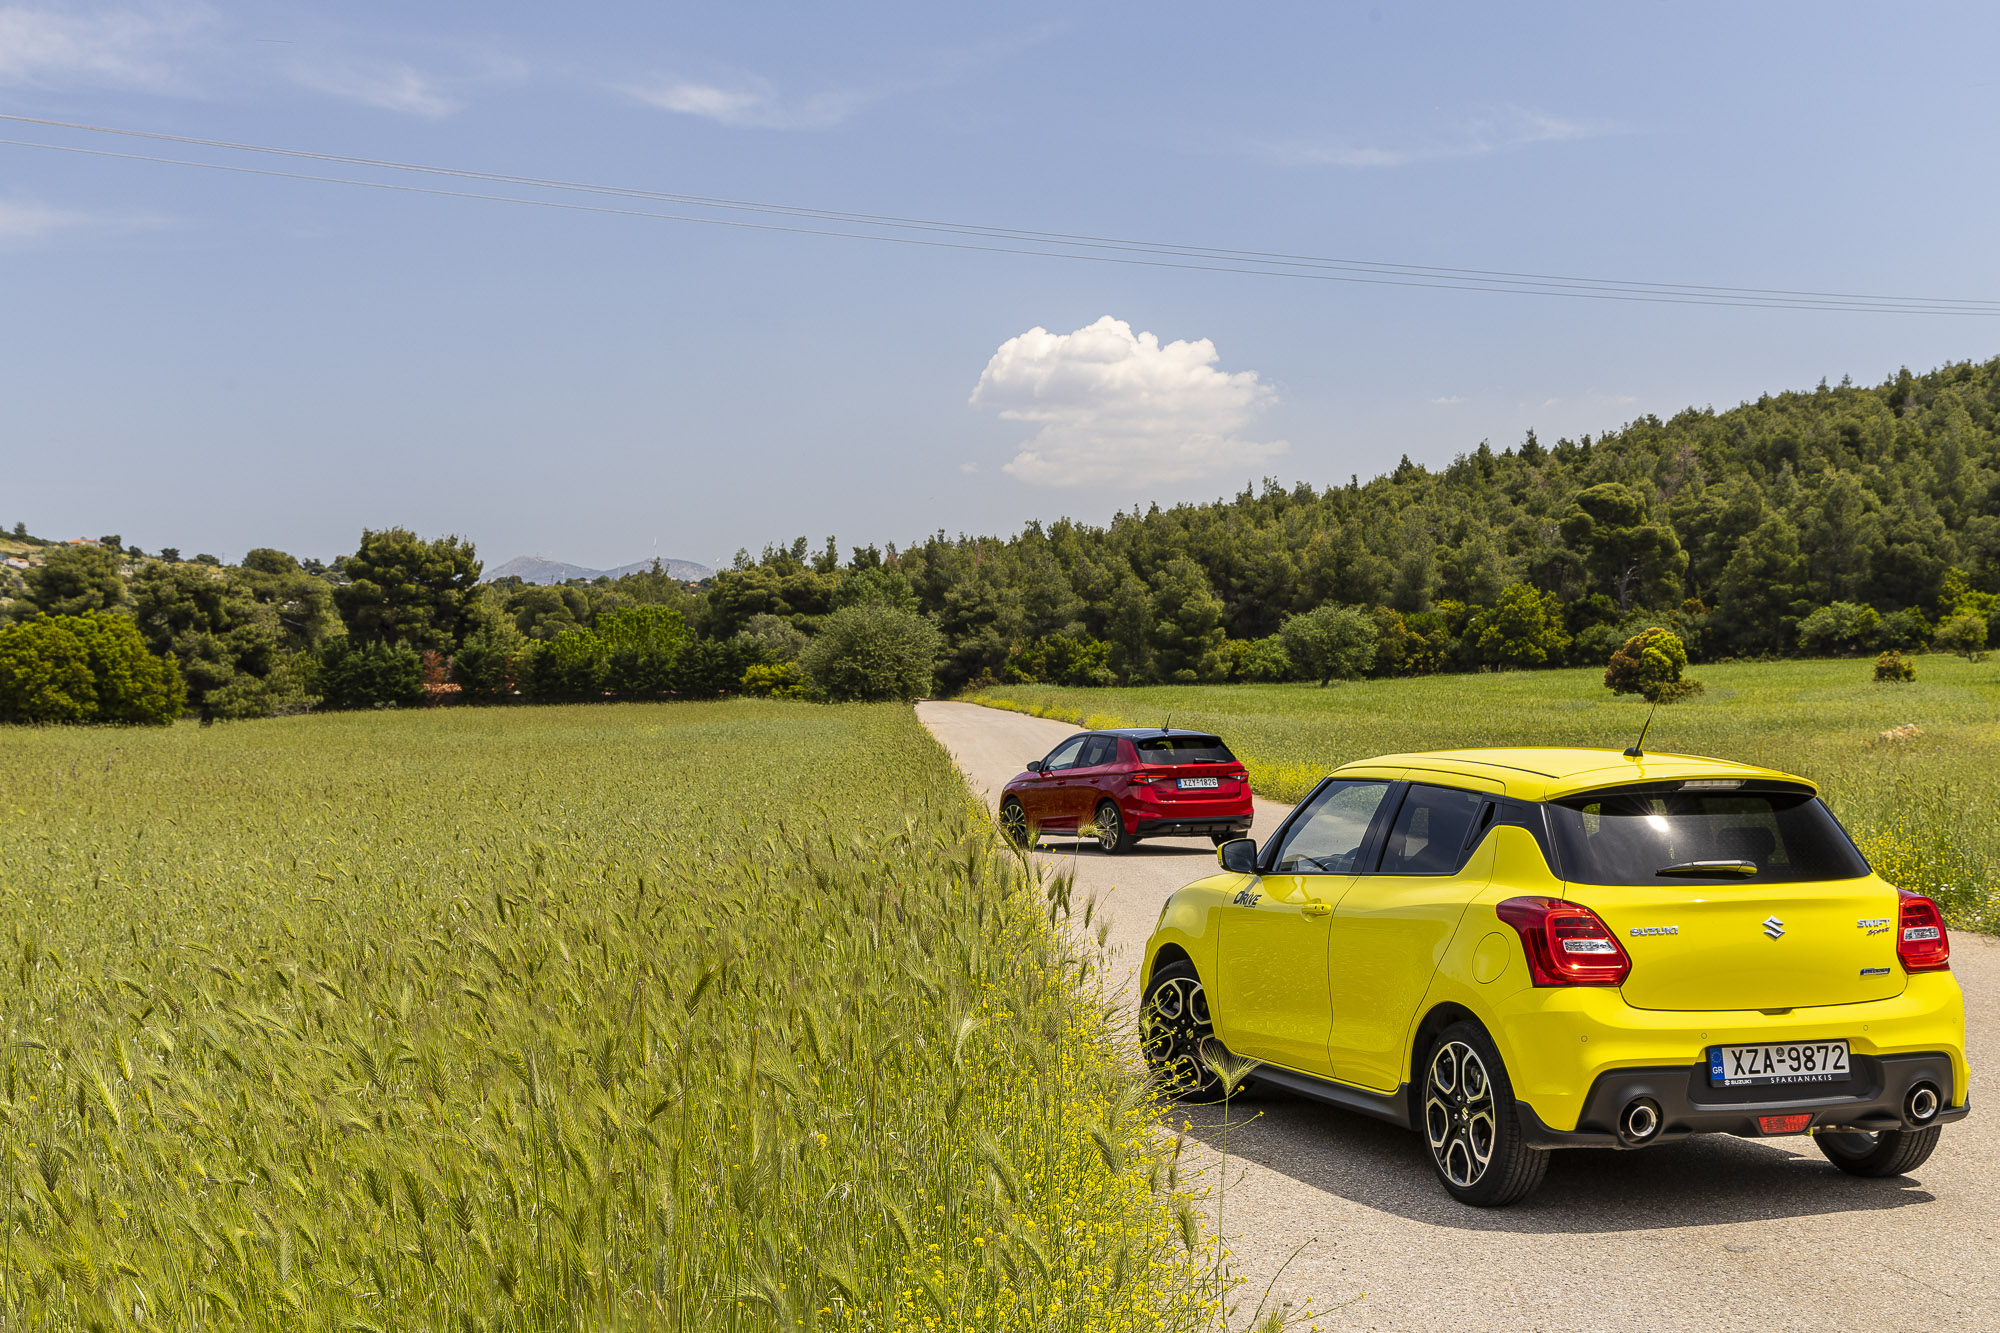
1316 909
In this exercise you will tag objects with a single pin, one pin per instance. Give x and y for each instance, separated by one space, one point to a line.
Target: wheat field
682 1016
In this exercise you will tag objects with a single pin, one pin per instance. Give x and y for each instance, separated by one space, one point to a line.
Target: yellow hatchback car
1512 951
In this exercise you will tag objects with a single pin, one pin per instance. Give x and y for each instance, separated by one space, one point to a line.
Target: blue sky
218 361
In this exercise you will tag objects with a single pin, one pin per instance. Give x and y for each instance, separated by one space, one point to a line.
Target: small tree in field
1649 664
872 652
1523 629
1894 668
1963 633
1330 641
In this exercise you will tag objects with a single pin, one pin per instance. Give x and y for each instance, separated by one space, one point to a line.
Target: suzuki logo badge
1773 927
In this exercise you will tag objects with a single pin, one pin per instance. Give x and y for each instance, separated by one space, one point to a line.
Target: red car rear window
1187 749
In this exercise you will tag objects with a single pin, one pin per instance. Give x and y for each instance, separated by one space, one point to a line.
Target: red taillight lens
1567 944
1921 942
1783 1124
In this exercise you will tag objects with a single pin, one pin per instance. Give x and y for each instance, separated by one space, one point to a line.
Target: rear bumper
1872 1100
1232 826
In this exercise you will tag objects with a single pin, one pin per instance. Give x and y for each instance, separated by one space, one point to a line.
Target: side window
1064 755
1429 834
1326 838
1100 751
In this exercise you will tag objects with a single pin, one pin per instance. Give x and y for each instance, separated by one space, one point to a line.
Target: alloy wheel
1175 1030
1459 1113
1014 823
1110 827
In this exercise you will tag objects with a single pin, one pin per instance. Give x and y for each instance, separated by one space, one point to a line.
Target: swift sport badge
1874 925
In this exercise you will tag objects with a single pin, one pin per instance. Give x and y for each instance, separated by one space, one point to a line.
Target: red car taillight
1921 943
1567 944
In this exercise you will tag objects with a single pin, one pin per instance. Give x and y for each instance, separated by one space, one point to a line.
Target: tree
301 605
775 637
1524 628
1842 629
75 580
92 667
641 645
872 651
1963 633
569 666
1330 641
225 642
1625 552
1058 659
369 674
403 589
1187 629
1650 664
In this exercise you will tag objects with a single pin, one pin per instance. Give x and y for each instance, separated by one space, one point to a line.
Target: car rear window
1662 837
1184 749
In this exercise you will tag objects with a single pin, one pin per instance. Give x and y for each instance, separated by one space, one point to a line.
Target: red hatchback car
1130 784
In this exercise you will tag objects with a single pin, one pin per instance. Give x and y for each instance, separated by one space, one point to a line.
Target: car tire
1468 1120
1112 835
1177 1034
1893 1152
1014 823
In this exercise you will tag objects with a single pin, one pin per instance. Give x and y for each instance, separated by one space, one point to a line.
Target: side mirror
1238 855
1034 765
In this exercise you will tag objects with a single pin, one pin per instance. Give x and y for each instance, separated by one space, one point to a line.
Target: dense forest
1839 520
1739 528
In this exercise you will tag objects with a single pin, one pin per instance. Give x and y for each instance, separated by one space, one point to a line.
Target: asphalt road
1710 1233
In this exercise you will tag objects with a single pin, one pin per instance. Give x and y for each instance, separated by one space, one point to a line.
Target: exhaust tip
1923 1104
1640 1120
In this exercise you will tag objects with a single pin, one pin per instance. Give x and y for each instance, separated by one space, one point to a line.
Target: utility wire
1016 241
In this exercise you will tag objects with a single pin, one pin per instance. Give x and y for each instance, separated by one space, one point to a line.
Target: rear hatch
1730 896
1189 766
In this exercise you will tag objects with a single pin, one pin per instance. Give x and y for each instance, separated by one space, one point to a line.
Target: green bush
1330 641
1963 633
872 652
92 667
569 666
710 667
1060 659
641 645
1262 659
774 680
1840 630
1894 667
369 675
1649 664
1524 628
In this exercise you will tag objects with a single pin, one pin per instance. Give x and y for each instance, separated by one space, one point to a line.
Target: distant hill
536 569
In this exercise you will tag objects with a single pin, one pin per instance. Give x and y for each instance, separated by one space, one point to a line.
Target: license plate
1191 784
1780 1062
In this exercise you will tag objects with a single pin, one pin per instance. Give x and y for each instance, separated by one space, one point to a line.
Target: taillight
1143 779
1921 942
1566 943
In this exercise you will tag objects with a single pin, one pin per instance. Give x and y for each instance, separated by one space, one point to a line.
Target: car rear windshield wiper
1744 868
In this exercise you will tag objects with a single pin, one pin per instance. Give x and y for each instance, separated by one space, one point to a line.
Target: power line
1015 241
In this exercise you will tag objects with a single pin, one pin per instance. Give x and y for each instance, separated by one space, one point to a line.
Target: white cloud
1117 406
1492 130
390 87
968 467
124 47
1452 401
753 103
23 221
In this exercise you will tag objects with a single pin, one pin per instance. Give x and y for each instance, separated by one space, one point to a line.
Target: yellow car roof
1544 773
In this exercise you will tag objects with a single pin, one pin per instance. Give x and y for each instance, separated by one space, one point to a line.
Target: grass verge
697 1016
1913 770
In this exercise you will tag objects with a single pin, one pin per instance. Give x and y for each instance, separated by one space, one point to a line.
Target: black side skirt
1393 1107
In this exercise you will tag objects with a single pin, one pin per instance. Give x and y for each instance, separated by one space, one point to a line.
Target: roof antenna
1168 725
1638 750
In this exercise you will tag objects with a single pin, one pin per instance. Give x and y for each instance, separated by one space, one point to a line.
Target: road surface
1711 1233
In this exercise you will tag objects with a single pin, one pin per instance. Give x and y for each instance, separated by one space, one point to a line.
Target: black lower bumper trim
1191 828
1871 1100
